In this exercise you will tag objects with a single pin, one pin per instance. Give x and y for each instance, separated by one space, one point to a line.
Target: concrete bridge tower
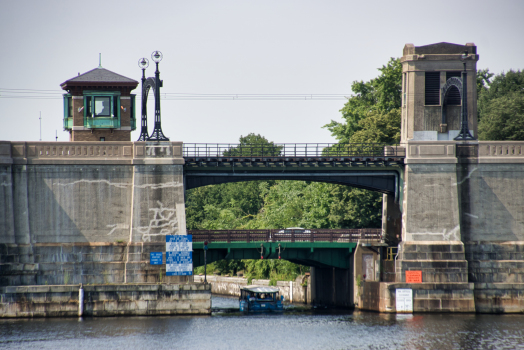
427 113
431 209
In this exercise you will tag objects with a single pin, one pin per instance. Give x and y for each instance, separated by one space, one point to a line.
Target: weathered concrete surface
463 219
105 300
88 212
427 297
231 286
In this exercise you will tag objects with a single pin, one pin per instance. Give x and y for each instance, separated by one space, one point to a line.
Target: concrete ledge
105 300
427 297
499 297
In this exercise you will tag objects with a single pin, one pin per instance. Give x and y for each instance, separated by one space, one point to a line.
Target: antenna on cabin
99 60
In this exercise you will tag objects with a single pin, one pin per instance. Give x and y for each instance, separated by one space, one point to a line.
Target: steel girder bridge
319 248
376 167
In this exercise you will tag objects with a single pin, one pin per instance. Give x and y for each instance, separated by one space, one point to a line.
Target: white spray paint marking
471 215
116 184
151 150
123 184
116 227
6 184
164 222
454 232
464 179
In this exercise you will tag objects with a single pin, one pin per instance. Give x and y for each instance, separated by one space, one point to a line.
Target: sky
232 47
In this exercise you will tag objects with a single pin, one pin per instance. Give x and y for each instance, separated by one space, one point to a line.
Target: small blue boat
260 299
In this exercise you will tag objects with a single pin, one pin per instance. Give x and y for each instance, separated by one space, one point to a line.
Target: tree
253 145
382 94
503 118
502 84
483 80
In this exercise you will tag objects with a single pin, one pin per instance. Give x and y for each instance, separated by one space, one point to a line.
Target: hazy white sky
233 47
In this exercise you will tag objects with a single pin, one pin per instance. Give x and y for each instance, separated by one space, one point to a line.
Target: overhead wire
57 94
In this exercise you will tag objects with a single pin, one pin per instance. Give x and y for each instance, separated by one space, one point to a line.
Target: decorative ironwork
450 83
143 63
293 150
147 84
464 134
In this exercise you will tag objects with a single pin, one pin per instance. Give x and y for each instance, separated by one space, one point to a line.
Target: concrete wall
88 212
105 300
427 297
463 220
231 286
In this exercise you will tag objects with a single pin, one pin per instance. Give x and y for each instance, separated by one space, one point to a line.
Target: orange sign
413 276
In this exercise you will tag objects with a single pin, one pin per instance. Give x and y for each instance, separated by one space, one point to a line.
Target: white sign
404 300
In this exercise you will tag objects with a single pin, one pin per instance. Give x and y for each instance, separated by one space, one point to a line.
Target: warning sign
413 276
404 300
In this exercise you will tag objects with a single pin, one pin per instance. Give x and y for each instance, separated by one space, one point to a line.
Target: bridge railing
286 235
292 150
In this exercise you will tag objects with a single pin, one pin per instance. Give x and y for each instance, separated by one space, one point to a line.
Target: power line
181 96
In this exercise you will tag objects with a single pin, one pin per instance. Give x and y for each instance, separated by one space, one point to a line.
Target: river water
299 327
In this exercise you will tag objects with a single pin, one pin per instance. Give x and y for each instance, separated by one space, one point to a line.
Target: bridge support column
431 231
331 286
158 208
391 220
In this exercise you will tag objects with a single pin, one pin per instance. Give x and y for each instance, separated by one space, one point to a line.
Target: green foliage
483 79
318 205
379 127
503 118
272 269
224 206
359 281
501 85
382 94
253 144
500 105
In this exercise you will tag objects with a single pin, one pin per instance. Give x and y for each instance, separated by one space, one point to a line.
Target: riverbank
105 300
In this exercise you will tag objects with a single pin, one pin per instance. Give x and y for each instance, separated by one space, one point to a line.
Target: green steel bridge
376 167
319 248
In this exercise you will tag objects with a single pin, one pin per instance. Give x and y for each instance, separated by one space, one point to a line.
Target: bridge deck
287 235
319 247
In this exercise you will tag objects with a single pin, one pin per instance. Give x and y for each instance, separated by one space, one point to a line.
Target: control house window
102 106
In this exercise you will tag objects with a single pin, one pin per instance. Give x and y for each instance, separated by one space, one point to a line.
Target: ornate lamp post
464 134
156 84
143 63
157 134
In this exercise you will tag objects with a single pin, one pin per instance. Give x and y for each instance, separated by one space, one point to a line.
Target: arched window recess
450 84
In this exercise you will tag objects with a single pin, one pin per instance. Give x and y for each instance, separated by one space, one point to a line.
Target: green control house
99 106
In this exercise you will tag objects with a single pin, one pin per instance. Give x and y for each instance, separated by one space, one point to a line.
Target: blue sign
179 255
155 258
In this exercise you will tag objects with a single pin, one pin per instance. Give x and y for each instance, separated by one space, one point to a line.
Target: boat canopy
260 289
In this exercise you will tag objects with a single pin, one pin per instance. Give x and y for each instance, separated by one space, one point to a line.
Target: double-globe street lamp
156 84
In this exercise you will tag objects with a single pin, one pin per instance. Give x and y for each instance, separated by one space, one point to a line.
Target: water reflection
297 328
